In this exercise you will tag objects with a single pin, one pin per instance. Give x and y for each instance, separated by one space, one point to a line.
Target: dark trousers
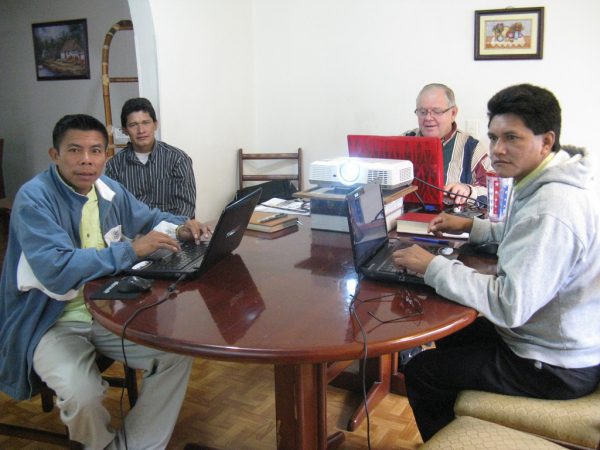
477 358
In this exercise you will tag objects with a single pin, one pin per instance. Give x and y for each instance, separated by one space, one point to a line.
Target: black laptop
193 259
371 248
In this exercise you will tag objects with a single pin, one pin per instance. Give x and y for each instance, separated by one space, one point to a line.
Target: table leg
398 384
378 390
301 408
378 373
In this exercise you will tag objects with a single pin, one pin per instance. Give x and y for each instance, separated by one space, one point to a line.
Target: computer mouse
446 251
488 248
132 283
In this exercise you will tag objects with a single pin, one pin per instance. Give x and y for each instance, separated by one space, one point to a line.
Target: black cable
420 200
480 202
418 311
364 367
130 319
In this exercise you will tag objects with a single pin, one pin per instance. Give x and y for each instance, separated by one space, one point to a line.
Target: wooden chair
571 423
128 381
244 176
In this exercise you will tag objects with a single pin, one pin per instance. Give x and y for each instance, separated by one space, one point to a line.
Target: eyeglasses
435 112
407 306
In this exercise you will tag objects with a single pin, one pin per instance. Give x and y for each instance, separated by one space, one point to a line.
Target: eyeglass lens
436 112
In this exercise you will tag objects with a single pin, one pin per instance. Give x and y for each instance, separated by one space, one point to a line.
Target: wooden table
285 302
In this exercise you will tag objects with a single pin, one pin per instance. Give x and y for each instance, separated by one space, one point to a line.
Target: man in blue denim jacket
70 225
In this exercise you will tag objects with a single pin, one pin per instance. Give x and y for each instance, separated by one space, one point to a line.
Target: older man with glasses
466 160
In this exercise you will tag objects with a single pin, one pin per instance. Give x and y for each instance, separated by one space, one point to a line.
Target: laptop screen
366 221
424 152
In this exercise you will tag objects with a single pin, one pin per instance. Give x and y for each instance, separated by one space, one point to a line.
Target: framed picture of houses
61 50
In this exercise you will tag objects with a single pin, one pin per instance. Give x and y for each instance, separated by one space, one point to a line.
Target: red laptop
424 152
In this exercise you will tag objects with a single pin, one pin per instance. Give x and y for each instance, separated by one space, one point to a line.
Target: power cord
474 200
420 200
416 311
170 290
352 309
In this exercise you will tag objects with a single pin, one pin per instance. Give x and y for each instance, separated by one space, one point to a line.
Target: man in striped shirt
156 173
466 160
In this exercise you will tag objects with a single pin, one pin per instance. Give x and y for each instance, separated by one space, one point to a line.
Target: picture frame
61 50
512 33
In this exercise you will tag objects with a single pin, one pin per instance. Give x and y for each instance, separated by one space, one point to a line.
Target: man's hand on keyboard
153 241
194 230
414 258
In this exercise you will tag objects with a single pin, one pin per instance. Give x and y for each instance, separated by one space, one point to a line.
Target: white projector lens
349 172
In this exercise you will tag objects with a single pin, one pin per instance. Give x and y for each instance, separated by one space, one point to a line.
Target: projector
349 171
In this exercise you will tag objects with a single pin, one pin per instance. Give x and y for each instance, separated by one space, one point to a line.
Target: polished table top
284 301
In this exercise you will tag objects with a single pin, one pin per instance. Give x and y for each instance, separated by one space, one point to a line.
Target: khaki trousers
65 360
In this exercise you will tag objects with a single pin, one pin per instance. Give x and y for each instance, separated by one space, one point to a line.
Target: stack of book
329 210
329 214
268 222
393 205
393 209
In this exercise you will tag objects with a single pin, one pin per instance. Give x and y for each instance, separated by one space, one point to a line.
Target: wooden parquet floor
229 406
232 407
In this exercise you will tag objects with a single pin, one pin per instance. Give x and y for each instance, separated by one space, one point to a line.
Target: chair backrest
574 423
297 156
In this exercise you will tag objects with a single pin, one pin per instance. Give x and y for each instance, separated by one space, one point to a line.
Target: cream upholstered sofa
469 433
572 423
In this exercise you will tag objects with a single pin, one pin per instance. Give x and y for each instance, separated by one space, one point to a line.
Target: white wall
145 50
205 74
30 108
273 75
333 67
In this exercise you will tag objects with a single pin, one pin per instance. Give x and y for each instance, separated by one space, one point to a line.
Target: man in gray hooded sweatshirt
538 333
